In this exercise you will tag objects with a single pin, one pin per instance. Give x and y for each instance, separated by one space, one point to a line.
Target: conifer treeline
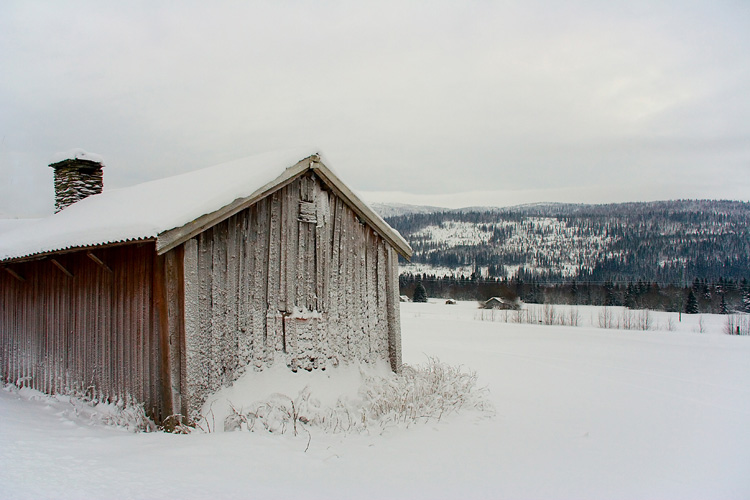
719 297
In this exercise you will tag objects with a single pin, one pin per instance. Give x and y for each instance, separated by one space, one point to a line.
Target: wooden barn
163 292
501 303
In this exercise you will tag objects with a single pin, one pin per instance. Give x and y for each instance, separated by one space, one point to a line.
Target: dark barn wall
96 332
295 275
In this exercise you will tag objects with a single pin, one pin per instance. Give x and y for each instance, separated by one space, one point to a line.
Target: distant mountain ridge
665 241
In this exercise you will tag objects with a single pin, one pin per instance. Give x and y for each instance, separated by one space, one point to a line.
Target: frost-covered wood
96 333
270 283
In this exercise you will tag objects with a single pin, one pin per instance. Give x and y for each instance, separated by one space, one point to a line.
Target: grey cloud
422 97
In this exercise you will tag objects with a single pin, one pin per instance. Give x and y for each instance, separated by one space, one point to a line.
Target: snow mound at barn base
81 409
358 397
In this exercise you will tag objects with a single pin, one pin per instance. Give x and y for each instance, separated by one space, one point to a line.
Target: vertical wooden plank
264 220
242 291
291 237
147 346
258 314
334 271
67 328
232 287
259 285
345 283
108 324
382 303
162 323
192 373
273 324
175 324
126 304
358 307
324 243
205 269
248 281
317 230
310 247
284 208
370 293
136 336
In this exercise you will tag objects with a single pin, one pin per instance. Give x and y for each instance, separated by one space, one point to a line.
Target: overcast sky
448 103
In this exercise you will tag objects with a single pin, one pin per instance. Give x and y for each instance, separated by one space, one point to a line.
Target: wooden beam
14 274
98 261
61 267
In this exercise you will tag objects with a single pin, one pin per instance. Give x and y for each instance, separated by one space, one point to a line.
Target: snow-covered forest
668 242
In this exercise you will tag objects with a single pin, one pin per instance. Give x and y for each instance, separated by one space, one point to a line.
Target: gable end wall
315 291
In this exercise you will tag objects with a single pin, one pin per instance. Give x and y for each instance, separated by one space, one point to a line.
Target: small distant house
163 292
501 303
451 301
404 298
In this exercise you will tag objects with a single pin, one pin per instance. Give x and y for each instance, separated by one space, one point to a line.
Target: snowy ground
582 412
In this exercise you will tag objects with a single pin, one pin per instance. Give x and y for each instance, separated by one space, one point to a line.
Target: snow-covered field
581 412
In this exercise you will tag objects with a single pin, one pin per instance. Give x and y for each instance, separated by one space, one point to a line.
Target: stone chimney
78 174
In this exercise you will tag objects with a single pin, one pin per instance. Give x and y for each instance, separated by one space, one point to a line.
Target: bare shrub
644 320
418 394
671 325
549 314
606 318
628 320
737 324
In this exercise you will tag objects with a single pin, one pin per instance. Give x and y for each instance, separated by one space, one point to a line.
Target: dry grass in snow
420 393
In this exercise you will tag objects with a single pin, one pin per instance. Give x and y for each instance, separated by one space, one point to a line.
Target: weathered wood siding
295 276
95 331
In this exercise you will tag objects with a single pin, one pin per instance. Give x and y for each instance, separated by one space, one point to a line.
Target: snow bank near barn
357 397
85 411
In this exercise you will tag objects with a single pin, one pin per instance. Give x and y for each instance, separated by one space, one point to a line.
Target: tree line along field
702 296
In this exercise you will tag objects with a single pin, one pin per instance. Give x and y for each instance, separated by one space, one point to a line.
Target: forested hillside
664 242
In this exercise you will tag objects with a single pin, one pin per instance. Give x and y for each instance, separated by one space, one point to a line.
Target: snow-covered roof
11 224
166 206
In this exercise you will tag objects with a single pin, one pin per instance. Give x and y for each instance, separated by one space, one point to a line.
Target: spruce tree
723 309
609 296
630 297
420 294
691 307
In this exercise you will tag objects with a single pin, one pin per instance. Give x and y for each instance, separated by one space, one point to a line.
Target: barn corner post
169 305
394 317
